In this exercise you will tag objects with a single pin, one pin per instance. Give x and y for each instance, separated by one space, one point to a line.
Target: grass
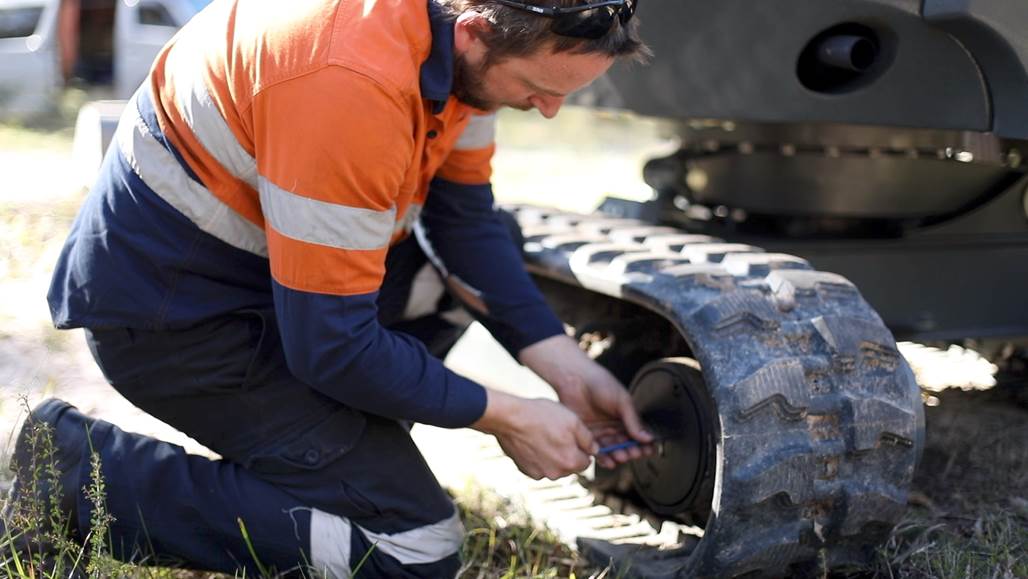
925 544
502 542
36 541
969 507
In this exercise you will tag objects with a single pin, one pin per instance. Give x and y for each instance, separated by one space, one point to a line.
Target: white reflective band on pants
331 541
161 171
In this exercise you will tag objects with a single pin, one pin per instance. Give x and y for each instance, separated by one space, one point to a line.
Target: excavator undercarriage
883 140
790 425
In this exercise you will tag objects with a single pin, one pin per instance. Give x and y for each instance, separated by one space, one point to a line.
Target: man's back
232 98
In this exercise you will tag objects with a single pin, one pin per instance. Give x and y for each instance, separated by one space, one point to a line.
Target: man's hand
591 392
544 439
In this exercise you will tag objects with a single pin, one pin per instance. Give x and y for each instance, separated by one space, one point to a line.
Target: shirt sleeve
333 148
470 243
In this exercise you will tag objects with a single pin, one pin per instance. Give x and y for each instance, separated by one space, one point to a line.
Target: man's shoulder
385 40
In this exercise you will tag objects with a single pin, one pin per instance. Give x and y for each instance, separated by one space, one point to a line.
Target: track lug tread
596 254
773 473
677 241
650 262
846 336
762 264
740 311
716 252
768 551
706 274
640 234
891 426
787 351
779 385
872 507
569 241
542 229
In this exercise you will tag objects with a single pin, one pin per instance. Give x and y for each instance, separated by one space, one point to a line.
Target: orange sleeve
470 161
333 149
468 166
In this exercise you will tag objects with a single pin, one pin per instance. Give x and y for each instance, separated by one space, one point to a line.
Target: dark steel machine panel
738 59
996 33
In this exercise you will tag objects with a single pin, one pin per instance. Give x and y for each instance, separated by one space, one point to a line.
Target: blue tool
622 446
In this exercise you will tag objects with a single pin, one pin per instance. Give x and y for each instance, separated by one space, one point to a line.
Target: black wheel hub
672 400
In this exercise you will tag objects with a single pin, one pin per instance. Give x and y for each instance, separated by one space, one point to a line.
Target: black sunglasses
589 20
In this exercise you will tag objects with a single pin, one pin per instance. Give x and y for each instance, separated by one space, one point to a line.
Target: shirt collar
437 70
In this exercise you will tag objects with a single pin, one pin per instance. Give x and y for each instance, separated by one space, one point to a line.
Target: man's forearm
336 345
559 361
473 241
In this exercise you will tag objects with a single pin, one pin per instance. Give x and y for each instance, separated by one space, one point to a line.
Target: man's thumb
585 439
633 424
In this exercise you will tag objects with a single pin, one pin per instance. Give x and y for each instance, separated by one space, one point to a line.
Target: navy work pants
316 484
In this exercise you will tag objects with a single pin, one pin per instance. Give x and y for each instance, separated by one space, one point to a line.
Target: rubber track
820 417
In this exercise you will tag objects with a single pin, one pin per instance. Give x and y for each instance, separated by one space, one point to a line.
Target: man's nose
548 106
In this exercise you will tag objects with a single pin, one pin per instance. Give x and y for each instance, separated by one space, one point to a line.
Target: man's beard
469 83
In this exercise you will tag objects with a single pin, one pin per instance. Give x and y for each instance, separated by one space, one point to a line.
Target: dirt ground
969 507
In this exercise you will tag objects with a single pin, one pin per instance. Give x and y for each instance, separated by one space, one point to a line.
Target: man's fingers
619 455
585 439
631 420
596 425
608 430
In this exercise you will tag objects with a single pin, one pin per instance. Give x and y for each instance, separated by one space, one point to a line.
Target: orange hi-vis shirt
276 154
307 120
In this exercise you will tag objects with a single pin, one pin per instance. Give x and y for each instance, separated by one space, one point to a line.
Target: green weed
924 544
502 542
36 542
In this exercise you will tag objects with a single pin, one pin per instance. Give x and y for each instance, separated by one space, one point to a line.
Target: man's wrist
500 409
557 360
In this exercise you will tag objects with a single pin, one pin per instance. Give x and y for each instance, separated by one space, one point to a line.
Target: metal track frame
820 419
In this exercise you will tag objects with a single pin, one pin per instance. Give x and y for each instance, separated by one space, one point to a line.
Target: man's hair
517 32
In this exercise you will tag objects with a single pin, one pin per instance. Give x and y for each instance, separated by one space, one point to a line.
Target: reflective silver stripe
410 216
330 545
426 246
290 214
422 545
202 115
478 134
322 223
161 171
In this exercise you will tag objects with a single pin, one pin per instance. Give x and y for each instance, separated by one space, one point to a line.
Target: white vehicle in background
29 64
107 45
142 28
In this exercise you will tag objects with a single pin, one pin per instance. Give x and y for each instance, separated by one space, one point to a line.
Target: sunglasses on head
588 20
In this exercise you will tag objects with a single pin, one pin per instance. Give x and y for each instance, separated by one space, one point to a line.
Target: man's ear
468 31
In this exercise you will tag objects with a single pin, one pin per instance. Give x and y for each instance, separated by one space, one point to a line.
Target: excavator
850 172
